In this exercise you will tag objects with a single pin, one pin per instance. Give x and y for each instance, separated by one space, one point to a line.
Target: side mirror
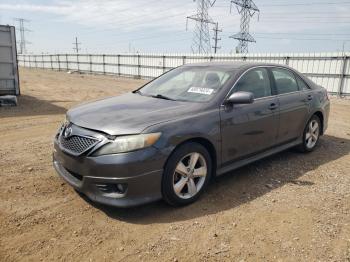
241 97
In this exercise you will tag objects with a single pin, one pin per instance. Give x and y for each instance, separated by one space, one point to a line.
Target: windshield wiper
137 92
162 97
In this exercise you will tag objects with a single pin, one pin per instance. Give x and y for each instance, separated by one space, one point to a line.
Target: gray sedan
168 138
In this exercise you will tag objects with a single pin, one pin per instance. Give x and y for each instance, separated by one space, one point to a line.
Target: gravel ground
288 207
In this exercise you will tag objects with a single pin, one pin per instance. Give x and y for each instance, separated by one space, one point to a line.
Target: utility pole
22 29
246 8
201 35
76 45
216 39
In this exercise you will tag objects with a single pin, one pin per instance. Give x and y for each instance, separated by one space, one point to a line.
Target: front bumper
96 177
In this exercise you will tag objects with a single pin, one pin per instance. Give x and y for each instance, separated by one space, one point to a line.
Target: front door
250 128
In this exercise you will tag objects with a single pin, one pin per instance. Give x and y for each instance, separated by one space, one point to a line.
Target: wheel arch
321 117
207 144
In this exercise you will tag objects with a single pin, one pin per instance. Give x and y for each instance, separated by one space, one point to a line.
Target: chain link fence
330 70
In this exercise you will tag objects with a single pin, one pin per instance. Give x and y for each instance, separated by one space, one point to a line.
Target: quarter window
255 81
285 81
301 84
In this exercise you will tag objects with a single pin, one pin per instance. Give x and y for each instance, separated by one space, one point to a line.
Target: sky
159 26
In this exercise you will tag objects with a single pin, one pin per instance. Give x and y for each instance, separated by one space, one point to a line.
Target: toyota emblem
68 132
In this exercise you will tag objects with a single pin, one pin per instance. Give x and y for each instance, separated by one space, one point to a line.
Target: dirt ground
288 207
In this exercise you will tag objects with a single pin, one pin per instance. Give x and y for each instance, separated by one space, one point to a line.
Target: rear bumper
97 177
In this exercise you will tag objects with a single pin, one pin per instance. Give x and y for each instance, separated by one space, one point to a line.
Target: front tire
311 134
186 174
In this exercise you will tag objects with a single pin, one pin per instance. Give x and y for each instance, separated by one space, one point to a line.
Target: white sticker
201 90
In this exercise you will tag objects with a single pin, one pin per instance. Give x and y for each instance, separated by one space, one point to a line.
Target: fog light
112 188
121 188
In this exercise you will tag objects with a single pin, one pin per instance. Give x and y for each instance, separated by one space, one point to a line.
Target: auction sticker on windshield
201 90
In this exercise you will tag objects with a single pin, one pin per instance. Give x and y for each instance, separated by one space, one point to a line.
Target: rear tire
311 135
186 174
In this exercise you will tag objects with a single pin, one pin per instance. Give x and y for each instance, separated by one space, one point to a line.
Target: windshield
195 84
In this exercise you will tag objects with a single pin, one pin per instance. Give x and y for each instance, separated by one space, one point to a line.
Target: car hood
128 114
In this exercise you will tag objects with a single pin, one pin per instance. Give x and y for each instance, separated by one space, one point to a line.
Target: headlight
62 126
124 144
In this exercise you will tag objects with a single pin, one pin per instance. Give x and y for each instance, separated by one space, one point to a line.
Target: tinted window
285 81
256 81
302 85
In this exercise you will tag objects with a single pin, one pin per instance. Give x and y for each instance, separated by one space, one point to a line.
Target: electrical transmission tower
246 8
215 38
76 45
22 29
201 35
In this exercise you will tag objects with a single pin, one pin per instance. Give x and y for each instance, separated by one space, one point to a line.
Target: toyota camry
168 138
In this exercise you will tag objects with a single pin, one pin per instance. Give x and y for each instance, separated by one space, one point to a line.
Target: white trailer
9 80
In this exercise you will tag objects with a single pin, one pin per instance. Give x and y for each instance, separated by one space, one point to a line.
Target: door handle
309 97
273 106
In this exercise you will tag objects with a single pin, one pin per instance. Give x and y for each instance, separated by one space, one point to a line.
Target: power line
76 45
302 39
312 3
201 35
23 43
216 39
296 4
137 19
246 8
280 33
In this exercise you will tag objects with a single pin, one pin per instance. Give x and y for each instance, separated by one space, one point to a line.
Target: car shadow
239 186
31 106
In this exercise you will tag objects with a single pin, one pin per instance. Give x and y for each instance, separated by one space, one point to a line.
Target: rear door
293 111
250 128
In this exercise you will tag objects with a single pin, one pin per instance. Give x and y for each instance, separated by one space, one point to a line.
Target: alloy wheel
312 134
189 175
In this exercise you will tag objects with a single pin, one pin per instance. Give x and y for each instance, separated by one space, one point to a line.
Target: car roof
234 64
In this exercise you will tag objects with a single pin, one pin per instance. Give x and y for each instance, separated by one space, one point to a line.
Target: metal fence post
67 66
35 62
42 61
30 64
78 63
287 60
59 62
139 65
51 62
184 60
90 60
118 61
163 63
342 76
104 63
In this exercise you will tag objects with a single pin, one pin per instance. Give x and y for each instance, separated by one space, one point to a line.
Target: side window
256 81
302 85
285 81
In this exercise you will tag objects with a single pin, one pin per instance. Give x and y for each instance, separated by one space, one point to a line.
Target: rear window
285 81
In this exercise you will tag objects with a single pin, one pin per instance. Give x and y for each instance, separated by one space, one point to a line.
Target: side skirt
256 157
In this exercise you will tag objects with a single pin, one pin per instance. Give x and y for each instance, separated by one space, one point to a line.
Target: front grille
77 144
